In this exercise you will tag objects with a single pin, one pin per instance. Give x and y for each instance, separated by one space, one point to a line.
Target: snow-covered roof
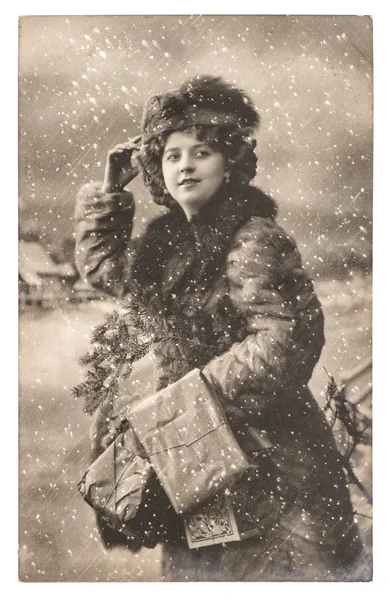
35 262
82 285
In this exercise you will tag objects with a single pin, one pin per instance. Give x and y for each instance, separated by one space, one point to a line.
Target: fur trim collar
173 248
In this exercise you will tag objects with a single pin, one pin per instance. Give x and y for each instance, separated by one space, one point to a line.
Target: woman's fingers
105 409
120 168
135 140
128 146
122 154
121 149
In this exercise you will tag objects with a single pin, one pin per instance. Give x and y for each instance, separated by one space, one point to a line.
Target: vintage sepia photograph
195 250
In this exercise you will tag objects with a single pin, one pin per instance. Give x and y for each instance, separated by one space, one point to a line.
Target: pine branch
178 333
355 424
356 481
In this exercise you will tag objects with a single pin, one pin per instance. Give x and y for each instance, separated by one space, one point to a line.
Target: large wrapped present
123 489
188 441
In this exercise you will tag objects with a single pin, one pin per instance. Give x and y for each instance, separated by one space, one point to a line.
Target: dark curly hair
233 143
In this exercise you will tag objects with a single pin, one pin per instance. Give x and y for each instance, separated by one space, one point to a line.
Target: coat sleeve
103 224
269 286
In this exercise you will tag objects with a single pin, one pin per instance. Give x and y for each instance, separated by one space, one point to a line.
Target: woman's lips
189 182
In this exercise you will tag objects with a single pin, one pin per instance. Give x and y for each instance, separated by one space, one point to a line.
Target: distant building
83 291
42 282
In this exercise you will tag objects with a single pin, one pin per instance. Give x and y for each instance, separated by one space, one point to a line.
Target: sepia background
82 83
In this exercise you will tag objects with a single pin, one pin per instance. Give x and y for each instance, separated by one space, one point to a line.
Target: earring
165 191
227 178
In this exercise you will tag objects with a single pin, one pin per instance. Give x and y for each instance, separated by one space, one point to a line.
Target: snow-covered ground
58 539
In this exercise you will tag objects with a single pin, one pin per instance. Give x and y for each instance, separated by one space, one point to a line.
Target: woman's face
192 170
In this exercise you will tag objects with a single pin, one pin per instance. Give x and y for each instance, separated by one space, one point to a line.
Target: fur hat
201 100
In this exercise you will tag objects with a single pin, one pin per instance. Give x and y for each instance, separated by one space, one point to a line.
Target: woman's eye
202 153
173 157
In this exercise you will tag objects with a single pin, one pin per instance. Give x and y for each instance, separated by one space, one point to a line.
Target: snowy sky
83 80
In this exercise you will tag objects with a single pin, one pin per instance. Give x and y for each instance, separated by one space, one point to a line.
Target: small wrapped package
188 441
219 521
123 489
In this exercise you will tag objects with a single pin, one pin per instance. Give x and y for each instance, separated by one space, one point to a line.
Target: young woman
217 259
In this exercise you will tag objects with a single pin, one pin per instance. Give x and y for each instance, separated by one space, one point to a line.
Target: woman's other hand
109 420
120 169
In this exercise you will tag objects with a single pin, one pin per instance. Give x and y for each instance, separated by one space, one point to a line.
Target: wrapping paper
188 441
116 482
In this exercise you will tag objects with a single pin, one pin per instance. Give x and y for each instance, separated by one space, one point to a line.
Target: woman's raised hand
119 167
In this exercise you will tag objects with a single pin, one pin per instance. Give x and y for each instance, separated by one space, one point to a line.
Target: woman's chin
192 204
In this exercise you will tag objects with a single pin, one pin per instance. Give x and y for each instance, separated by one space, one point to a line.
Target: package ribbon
188 441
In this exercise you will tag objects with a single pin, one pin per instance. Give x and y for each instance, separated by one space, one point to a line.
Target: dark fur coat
237 281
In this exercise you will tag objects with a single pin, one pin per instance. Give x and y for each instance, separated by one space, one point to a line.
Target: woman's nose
186 164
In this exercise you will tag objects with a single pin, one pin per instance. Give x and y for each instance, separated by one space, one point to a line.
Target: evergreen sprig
355 426
114 353
178 339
